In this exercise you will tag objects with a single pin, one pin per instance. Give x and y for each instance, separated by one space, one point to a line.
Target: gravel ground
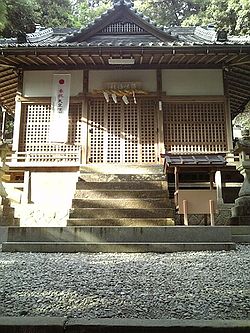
193 285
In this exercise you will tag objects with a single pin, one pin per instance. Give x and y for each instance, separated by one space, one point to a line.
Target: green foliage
86 12
168 12
3 14
230 15
21 15
55 13
18 16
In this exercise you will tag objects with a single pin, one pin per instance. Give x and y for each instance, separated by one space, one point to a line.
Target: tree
86 11
230 15
3 14
168 12
55 13
18 16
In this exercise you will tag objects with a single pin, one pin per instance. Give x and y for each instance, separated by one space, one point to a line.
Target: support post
26 195
17 124
211 210
185 211
218 183
84 120
3 123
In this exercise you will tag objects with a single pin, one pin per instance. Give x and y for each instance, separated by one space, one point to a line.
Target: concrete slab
32 325
71 247
81 325
149 326
158 234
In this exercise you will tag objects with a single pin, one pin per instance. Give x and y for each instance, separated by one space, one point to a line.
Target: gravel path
193 285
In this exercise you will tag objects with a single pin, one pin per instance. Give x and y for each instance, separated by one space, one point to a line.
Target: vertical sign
60 108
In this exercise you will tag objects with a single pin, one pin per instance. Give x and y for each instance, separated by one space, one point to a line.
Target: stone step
96 177
120 234
241 239
66 247
241 230
120 213
150 185
121 203
120 194
139 222
241 234
122 169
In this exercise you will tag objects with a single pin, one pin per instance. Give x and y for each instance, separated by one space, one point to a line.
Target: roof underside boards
123 32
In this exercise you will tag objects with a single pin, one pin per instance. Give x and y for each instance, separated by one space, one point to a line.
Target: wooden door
120 133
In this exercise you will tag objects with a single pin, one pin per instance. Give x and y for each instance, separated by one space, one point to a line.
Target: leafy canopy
21 15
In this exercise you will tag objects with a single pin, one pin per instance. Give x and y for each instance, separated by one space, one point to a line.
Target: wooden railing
30 158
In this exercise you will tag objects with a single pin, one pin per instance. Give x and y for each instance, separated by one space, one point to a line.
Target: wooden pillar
160 112
26 195
3 123
185 211
17 124
212 211
218 183
211 175
18 111
84 120
176 179
228 113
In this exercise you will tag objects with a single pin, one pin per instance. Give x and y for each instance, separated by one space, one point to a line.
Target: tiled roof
182 36
174 36
193 160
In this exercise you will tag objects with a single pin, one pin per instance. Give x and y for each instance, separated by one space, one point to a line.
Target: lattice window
114 133
97 130
75 126
34 135
148 131
195 127
131 133
122 28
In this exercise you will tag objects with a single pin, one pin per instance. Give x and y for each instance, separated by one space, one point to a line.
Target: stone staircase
120 209
138 197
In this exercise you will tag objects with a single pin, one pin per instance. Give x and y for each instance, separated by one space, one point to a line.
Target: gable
121 20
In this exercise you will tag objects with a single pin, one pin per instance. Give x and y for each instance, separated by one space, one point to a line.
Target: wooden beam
161 59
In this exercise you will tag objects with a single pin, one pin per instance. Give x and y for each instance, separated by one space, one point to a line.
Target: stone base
241 207
240 220
241 211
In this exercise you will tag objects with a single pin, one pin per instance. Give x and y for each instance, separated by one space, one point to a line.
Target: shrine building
121 99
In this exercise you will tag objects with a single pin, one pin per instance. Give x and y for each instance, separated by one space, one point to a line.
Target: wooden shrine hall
112 99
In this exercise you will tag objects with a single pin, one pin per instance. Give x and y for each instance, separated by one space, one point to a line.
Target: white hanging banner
60 108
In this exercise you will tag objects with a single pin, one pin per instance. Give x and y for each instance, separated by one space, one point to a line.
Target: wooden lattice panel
75 124
123 133
113 135
35 128
96 130
195 127
131 133
148 131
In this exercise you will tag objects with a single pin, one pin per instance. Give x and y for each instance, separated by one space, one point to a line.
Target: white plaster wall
189 82
39 83
97 79
51 197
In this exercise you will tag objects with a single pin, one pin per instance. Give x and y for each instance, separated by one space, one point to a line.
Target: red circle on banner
61 81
